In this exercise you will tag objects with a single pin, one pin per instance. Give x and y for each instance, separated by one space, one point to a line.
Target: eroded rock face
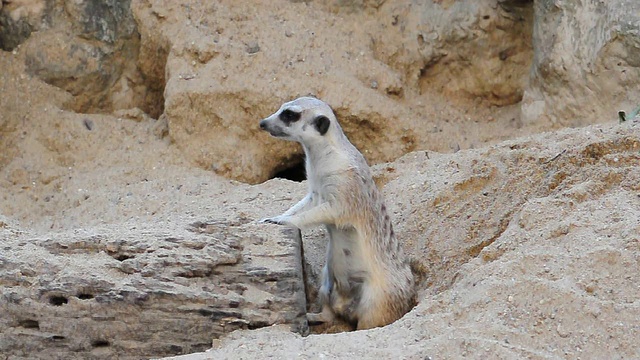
227 65
463 49
19 19
88 48
401 75
148 292
232 64
586 63
220 85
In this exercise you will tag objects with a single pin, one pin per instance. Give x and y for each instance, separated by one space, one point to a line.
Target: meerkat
366 279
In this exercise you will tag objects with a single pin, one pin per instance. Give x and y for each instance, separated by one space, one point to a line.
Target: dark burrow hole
30 324
190 274
57 337
84 296
175 349
520 3
58 300
122 257
100 343
296 172
257 325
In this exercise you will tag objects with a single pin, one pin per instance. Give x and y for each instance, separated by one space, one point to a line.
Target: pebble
253 48
562 331
88 123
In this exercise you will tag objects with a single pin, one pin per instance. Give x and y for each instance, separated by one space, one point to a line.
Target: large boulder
88 48
222 79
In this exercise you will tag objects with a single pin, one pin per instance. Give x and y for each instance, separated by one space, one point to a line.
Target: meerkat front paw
268 221
278 220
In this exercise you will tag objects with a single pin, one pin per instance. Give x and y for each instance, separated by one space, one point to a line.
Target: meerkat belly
346 261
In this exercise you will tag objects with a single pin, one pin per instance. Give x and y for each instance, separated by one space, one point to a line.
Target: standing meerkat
366 278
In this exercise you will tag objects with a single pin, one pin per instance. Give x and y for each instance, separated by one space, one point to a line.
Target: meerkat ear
321 123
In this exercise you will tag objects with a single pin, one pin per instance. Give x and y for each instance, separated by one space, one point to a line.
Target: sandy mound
530 250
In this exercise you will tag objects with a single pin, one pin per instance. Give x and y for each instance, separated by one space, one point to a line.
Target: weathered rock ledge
140 290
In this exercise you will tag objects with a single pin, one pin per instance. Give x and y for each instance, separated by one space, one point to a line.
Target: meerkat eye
289 116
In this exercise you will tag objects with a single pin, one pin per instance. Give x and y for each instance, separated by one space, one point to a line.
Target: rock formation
135 290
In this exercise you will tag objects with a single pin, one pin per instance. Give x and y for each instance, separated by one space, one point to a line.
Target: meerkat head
304 120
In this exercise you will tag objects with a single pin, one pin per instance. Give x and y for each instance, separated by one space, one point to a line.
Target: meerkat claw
268 221
278 220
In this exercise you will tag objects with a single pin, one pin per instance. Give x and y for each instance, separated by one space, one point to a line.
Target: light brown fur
366 279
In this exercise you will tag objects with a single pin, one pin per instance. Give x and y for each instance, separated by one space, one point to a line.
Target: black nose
263 124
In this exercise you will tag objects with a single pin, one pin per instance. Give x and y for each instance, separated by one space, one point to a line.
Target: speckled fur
366 279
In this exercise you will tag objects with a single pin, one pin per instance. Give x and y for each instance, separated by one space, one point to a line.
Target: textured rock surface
586 63
88 48
18 19
384 67
529 249
401 75
137 290
463 49
142 289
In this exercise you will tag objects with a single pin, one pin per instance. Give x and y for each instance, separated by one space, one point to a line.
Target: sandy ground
530 248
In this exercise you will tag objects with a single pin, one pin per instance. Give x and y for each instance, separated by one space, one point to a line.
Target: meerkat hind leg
325 316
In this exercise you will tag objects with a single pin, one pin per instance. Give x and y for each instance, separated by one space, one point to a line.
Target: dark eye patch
322 124
289 116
